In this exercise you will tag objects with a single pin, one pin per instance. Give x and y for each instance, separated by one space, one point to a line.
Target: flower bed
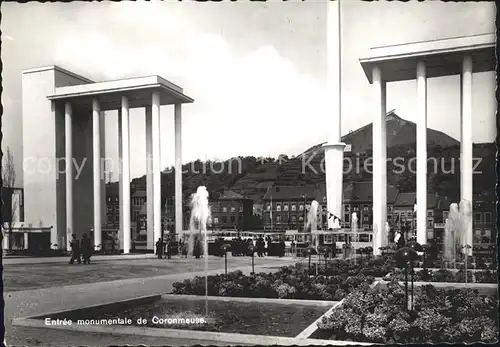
292 282
378 315
443 275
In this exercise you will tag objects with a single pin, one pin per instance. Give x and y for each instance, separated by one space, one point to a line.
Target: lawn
35 276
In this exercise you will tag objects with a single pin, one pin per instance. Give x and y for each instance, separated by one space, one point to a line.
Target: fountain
312 221
200 216
456 231
354 229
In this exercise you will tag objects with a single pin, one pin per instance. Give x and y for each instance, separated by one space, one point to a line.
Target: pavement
24 303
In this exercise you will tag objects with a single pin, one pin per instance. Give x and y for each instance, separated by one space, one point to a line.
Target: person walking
168 249
86 249
75 250
159 248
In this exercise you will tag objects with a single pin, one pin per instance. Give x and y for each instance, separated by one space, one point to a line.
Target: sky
257 71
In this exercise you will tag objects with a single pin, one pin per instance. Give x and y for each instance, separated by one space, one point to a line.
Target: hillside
253 176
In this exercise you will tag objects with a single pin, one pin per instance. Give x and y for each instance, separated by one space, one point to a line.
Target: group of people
163 249
81 249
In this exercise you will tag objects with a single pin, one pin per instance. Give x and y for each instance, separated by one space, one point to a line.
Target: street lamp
417 247
402 257
224 248
323 250
310 251
252 249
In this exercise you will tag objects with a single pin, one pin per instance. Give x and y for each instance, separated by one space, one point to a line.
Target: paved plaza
38 286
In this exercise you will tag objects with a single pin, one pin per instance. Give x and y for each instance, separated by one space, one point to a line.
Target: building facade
231 211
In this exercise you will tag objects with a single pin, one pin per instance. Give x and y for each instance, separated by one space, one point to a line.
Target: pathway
40 301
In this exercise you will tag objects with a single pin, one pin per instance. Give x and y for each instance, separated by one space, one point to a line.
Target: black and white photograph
231 173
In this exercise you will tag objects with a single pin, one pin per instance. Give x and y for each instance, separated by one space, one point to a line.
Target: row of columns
380 151
153 171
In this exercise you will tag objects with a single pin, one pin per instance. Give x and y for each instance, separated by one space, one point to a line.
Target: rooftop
137 89
442 57
230 195
358 192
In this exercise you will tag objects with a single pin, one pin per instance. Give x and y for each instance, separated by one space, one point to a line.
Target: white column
466 162
104 210
96 139
334 149
178 169
155 110
379 161
120 161
421 153
126 175
149 180
26 238
68 126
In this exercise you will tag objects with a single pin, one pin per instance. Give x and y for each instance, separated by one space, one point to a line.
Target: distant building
285 208
404 214
358 198
112 206
231 211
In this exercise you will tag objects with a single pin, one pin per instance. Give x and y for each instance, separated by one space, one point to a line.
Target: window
294 207
365 219
430 235
389 208
477 236
478 216
117 218
110 208
301 207
366 226
110 219
233 219
233 209
445 215
240 209
347 217
328 239
301 218
268 207
355 208
486 236
285 207
430 223
278 207
487 217
278 219
365 207
363 237
224 219
409 213
347 208
294 219
224 209
430 213
324 199
216 220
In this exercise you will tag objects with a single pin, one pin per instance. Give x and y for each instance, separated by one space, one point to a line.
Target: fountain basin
270 317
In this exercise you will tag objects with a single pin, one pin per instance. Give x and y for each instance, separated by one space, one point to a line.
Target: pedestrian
86 249
168 249
185 249
75 250
159 248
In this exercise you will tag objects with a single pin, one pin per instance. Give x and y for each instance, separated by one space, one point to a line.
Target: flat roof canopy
138 90
442 57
